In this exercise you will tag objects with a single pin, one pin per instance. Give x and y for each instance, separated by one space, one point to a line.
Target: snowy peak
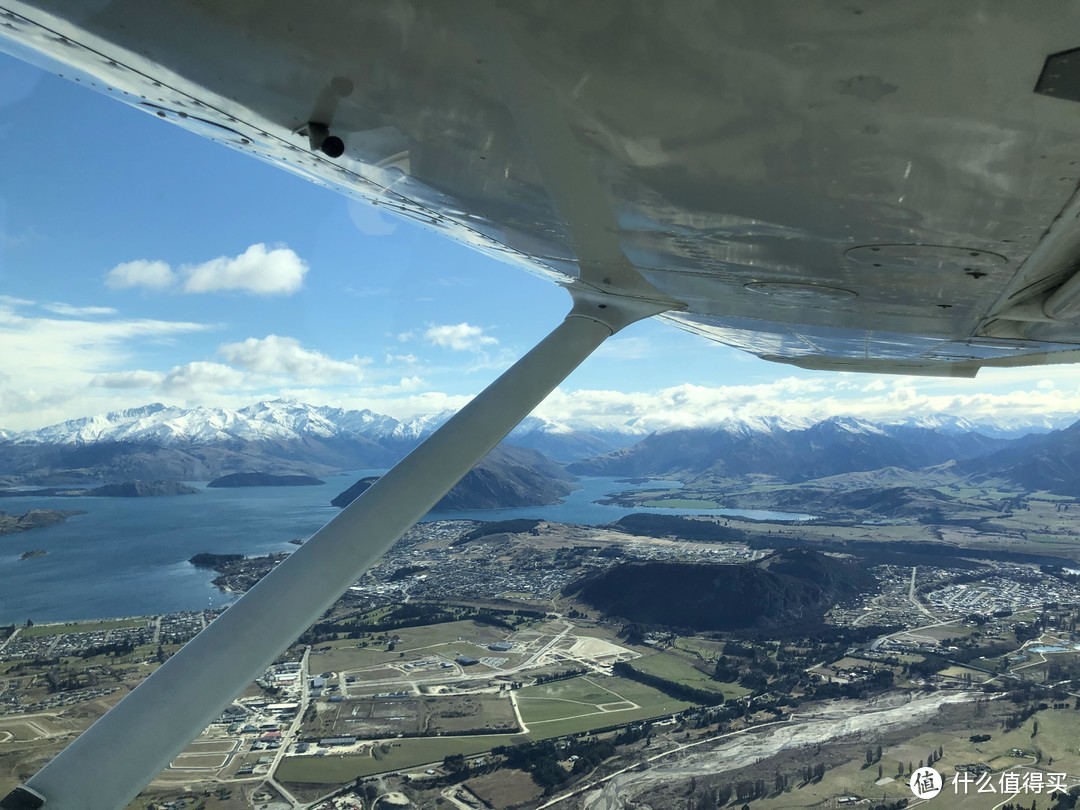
287 420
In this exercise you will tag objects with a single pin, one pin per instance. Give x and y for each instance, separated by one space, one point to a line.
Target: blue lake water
129 556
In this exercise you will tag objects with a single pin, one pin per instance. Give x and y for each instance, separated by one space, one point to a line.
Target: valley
881 597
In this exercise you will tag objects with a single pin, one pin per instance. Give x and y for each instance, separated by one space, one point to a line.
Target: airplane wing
852 186
858 186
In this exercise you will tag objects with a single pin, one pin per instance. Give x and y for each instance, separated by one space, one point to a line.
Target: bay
129 556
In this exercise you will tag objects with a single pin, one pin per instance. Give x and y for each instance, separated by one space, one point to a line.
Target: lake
129 556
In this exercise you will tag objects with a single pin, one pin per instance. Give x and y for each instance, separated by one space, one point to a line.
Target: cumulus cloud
459 337
192 378
277 355
153 275
258 270
808 399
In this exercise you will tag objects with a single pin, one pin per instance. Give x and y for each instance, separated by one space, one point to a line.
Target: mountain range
791 453
287 437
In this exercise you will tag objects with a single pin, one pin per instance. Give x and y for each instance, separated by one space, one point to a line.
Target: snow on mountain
988 426
285 420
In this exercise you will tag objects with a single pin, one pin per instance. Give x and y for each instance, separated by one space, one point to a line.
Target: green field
583 703
676 668
563 707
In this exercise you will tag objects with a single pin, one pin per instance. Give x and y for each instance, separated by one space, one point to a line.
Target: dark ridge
354 492
645 524
143 489
515 526
789 588
507 477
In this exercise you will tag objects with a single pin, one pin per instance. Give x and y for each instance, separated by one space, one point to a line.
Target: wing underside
858 187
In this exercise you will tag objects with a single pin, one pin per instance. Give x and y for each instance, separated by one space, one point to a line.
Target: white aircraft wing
858 186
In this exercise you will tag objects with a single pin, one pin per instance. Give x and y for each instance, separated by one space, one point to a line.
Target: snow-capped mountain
276 420
285 421
158 441
986 425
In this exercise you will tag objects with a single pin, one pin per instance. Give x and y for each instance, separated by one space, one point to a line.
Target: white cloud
405 359
257 270
153 275
58 368
129 380
459 337
276 355
193 378
61 308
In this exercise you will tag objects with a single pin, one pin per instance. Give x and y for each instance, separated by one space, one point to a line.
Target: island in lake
258 479
34 519
143 489
29 555
118 489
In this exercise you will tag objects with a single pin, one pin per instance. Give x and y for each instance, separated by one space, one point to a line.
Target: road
291 734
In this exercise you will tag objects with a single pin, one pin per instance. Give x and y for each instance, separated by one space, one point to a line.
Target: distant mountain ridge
1048 462
289 421
282 437
830 447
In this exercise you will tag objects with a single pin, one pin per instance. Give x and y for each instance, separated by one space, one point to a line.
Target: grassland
674 667
580 704
1059 732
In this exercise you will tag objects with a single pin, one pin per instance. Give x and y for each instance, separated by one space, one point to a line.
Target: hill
508 476
1038 462
793 588
143 489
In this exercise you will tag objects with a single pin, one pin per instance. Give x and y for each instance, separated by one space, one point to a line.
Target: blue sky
140 263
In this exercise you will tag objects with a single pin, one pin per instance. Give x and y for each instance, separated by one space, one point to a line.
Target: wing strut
115 758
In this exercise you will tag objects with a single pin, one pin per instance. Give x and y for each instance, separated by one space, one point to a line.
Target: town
460 651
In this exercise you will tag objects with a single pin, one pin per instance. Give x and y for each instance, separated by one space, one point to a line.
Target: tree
879 770
879 753
1034 728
